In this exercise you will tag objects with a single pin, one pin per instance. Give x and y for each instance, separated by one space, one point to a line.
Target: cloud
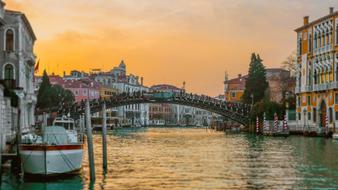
167 41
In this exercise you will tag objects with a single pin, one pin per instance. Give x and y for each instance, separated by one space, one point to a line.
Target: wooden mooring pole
104 137
0 157
90 142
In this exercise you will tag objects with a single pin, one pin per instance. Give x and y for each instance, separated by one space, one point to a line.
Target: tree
289 64
256 84
45 92
61 96
53 95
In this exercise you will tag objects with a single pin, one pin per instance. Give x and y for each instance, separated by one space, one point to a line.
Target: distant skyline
167 41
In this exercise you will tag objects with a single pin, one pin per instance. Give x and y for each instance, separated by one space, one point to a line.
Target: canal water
195 158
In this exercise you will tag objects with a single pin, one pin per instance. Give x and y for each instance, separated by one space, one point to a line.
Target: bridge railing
238 111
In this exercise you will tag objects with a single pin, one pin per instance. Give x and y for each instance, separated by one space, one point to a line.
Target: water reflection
65 183
190 158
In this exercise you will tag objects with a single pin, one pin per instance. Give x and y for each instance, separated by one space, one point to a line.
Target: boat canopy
55 135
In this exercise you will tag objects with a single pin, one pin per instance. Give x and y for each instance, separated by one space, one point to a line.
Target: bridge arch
234 111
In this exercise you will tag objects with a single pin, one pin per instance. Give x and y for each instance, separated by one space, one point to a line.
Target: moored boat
57 151
335 136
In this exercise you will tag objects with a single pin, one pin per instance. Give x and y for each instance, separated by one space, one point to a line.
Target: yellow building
317 73
234 88
106 92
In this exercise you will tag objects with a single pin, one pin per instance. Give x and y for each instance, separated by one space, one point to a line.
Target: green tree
53 95
256 84
45 93
61 96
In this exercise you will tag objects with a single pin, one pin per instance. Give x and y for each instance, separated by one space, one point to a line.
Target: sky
167 42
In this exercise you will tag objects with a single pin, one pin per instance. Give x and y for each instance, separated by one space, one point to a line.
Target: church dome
122 64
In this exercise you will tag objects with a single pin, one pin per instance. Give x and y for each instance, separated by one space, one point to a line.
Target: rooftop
333 14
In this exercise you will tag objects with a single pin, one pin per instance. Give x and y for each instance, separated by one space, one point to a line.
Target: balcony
308 88
325 86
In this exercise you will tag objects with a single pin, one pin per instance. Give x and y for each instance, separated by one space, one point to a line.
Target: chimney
331 10
142 81
306 20
239 75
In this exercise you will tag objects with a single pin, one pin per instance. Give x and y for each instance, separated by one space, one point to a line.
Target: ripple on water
192 158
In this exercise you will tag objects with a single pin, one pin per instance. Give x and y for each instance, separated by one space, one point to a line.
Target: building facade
317 72
164 114
279 81
82 89
170 114
234 88
17 62
117 78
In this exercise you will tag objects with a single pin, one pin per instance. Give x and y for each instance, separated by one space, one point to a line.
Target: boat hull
49 160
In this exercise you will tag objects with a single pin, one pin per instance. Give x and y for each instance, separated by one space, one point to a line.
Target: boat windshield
67 126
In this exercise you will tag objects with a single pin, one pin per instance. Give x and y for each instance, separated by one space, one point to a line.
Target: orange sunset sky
167 41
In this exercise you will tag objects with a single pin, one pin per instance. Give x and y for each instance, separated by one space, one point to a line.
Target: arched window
9 40
9 72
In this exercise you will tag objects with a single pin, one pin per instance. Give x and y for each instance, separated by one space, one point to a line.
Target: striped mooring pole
257 125
275 122
326 124
265 126
285 124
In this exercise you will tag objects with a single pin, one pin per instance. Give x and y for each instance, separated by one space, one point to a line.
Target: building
107 91
117 78
170 114
17 62
164 114
317 72
234 88
75 75
82 89
279 81
8 119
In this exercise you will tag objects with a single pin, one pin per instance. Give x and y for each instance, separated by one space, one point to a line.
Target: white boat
335 136
57 151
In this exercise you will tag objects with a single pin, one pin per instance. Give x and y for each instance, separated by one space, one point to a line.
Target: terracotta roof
237 80
83 83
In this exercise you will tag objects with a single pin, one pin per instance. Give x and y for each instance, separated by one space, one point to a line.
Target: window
336 115
233 94
308 100
298 101
309 116
330 115
314 115
336 32
9 72
9 40
299 46
336 98
310 43
299 116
